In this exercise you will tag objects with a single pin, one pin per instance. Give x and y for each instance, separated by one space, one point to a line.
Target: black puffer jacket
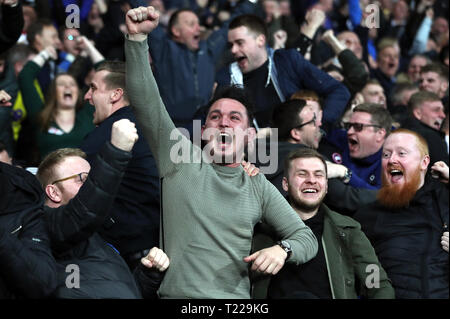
408 242
76 243
27 267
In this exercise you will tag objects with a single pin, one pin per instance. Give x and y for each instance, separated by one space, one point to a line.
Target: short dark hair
35 29
237 93
302 152
46 169
397 92
116 78
285 117
380 115
252 22
436 67
174 18
418 98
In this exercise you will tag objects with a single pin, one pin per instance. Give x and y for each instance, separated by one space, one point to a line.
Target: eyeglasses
81 178
358 127
309 122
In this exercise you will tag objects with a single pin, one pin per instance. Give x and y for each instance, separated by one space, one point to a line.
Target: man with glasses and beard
358 147
408 224
339 271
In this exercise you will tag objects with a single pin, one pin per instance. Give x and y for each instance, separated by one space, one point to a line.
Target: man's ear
381 135
425 162
175 31
444 86
261 40
251 132
417 112
53 193
285 184
295 135
116 95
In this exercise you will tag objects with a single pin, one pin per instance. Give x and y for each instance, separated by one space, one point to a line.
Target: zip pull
16 230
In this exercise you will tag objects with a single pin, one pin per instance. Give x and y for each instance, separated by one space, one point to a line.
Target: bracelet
347 176
44 54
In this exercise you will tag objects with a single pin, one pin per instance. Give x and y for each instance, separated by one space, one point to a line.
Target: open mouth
396 174
437 124
224 138
352 143
67 96
241 60
309 191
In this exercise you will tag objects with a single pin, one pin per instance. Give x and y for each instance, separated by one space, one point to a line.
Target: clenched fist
142 20
124 135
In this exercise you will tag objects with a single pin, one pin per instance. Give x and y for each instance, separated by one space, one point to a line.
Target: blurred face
187 30
70 41
432 82
99 96
388 60
431 113
5 158
269 8
71 165
366 142
414 67
66 91
285 8
310 134
401 11
403 169
247 48
306 184
351 41
2 66
227 131
374 93
49 37
440 26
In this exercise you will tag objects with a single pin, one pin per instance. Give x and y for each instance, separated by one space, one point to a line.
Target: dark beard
305 207
397 196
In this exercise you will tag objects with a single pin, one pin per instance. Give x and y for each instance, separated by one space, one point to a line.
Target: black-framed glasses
358 127
81 177
309 122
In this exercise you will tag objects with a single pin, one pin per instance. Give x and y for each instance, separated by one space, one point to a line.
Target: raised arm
158 128
31 98
86 212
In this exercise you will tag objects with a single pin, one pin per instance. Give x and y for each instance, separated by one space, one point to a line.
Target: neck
65 114
304 214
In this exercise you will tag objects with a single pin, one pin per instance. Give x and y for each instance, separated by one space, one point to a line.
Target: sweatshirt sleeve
288 225
165 140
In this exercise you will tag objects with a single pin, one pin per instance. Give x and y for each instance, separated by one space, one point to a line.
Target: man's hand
268 261
335 170
444 241
5 98
156 258
440 170
250 169
124 135
141 21
11 3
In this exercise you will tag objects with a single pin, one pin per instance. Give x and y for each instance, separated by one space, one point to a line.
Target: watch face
285 244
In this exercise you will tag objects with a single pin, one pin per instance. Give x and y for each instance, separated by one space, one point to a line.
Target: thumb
147 263
251 258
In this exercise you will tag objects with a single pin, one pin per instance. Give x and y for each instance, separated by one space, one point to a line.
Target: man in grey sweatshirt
209 204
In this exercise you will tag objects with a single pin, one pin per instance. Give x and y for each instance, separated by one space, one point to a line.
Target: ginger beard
397 195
